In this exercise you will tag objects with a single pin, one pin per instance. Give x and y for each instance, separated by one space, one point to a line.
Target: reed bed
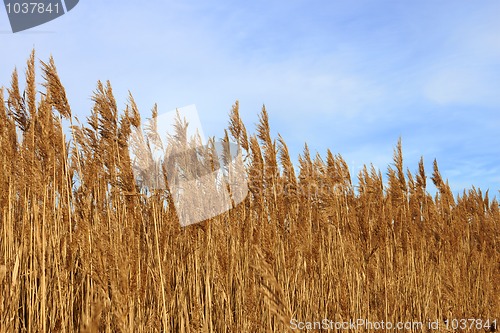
84 248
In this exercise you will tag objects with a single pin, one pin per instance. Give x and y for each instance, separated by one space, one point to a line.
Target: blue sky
352 76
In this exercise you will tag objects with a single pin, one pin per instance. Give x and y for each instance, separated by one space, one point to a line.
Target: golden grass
82 250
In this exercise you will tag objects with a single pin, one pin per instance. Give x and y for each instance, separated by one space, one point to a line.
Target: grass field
84 249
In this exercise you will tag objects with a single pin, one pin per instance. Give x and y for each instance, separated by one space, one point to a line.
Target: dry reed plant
84 248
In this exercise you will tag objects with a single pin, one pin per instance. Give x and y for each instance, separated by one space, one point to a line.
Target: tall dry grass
82 248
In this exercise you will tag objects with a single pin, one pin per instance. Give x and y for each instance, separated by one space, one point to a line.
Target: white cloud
463 85
464 69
